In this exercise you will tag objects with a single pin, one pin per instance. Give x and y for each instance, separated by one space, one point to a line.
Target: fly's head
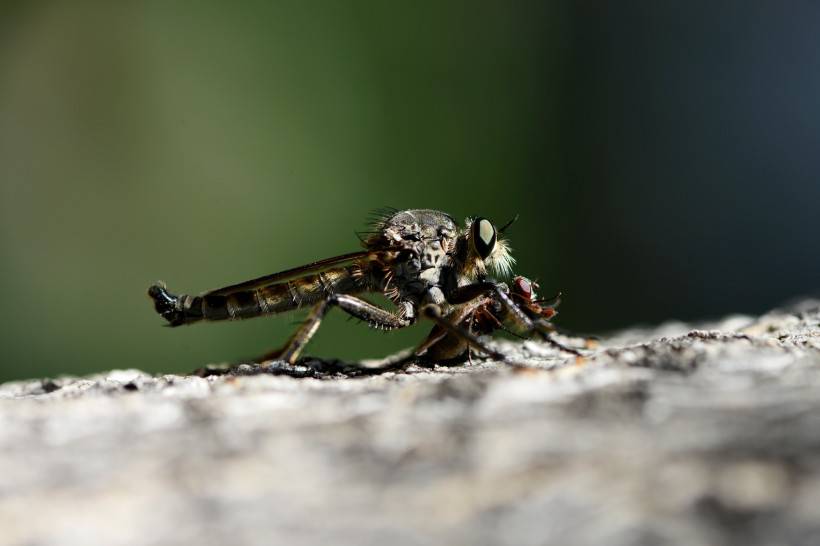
484 251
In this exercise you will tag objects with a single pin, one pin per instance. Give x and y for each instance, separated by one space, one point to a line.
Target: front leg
498 291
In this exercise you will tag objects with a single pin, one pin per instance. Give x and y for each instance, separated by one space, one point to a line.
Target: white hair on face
501 260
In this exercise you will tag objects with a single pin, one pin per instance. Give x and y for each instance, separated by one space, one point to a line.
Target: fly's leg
373 315
590 340
439 342
469 347
544 330
433 312
293 347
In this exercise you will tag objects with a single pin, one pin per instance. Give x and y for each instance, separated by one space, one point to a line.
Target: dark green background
663 159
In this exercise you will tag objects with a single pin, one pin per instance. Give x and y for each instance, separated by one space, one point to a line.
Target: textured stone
664 435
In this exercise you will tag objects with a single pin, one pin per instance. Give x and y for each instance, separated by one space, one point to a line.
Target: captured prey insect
485 315
420 259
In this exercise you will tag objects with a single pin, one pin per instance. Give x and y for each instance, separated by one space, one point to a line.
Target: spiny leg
375 316
290 352
433 312
437 335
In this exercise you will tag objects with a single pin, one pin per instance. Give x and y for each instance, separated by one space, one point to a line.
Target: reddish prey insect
486 315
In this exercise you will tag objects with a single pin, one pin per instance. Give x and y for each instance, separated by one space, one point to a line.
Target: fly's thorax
419 243
432 254
416 224
429 233
419 266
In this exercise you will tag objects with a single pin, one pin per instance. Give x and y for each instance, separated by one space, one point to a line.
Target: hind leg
374 316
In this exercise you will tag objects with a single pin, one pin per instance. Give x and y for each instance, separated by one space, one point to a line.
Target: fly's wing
289 274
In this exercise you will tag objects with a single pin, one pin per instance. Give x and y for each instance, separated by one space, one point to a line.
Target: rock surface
663 435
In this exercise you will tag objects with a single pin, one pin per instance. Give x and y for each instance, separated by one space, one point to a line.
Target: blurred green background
663 159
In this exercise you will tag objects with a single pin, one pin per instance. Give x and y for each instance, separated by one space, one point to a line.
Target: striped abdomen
253 302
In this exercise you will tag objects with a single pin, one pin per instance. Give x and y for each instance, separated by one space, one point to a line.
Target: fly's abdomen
254 302
307 290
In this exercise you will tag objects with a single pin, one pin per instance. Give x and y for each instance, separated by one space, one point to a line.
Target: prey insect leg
441 344
541 327
531 326
433 312
375 316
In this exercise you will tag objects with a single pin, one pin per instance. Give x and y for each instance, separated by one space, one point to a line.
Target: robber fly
420 259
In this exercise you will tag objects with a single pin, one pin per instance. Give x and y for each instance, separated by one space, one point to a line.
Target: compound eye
523 288
484 237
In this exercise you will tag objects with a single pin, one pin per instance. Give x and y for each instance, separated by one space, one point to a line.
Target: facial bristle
501 261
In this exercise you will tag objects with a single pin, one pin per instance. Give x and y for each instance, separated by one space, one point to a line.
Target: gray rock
664 435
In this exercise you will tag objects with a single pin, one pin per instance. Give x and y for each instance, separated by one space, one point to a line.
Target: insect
485 315
420 259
